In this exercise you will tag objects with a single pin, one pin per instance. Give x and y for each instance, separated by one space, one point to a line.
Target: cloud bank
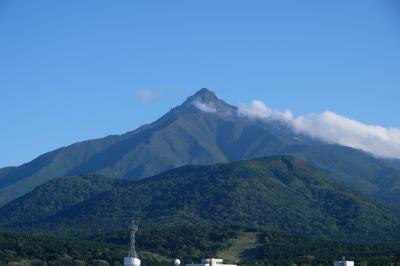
333 128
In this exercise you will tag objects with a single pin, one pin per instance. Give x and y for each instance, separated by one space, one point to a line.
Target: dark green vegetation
247 246
279 193
28 249
54 196
187 135
188 243
192 242
380 179
275 209
285 250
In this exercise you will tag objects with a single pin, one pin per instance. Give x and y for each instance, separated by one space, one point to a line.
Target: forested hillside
278 193
54 196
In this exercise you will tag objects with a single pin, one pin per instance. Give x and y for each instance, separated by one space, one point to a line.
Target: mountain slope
279 193
185 135
192 134
5 171
355 169
52 197
22 179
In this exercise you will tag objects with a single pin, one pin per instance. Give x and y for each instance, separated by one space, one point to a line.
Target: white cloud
205 107
333 128
146 95
257 109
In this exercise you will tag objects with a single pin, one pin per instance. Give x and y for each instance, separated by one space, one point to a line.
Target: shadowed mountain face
203 130
278 193
54 196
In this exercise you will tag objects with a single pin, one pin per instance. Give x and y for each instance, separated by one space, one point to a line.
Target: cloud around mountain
205 107
333 128
326 126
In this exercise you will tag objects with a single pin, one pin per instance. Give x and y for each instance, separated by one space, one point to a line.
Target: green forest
275 210
159 246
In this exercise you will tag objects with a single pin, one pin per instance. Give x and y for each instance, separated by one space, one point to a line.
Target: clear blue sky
72 70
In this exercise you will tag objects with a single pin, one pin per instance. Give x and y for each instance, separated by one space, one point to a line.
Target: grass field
244 248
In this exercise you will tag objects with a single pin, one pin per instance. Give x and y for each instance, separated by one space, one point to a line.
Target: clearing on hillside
244 248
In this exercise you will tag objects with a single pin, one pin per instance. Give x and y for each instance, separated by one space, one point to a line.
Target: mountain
54 196
5 171
203 130
378 178
278 193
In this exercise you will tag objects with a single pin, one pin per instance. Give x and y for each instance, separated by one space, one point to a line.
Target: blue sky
75 70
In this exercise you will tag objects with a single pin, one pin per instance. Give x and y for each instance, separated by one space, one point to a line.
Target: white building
210 262
343 263
130 261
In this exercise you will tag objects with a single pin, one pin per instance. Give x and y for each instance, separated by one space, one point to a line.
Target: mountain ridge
202 130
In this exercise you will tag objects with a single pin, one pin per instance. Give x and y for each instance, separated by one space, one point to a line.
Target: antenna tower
133 228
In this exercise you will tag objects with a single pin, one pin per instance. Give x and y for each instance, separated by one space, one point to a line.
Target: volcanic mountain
203 130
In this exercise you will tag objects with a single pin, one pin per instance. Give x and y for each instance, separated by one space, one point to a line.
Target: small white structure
130 261
177 262
343 262
210 262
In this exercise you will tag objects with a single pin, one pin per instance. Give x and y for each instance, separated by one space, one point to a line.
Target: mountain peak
207 101
205 95
204 92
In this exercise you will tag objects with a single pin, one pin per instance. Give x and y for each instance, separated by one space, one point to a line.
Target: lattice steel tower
133 228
